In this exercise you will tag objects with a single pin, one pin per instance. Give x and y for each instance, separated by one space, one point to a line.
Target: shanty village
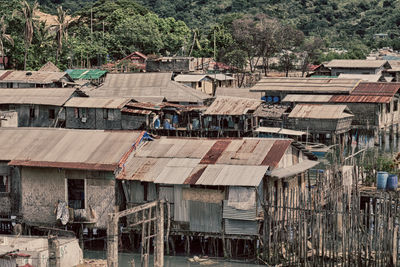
195 151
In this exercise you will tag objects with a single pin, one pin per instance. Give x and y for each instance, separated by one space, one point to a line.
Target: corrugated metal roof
97 102
294 169
363 77
86 74
237 92
306 98
150 99
355 63
48 96
65 148
241 162
232 106
221 77
40 77
136 111
136 85
360 99
306 85
190 77
315 111
377 89
278 130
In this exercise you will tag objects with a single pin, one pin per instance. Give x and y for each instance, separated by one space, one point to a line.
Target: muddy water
169 261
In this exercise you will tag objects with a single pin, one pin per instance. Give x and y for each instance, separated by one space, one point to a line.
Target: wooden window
4 184
396 105
387 107
52 114
76 193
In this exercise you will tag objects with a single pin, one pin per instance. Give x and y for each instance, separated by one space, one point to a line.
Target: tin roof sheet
315 111
278 130
190 77
221 77
65 148
306 98
48 96
363 77
305 85
294 169
238 92
97 102
136 85
232 106
376 89
360 99
241 162
355 63
40 77
49 66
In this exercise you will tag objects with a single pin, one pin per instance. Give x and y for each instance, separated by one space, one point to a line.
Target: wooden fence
338 227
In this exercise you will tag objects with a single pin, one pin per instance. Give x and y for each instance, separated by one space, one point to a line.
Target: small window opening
76 193
4 184
52 114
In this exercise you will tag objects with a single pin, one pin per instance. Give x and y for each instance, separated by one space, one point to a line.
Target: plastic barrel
381 180
392 182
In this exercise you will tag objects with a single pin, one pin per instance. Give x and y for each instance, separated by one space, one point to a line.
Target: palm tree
4 38
61 29
27 13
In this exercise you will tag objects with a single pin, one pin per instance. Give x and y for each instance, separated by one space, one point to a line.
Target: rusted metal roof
136 111
360 99
315 111
232 106
97 102
136 85
65 148
355 63
305 85
39 96
39 77
203 161
376 89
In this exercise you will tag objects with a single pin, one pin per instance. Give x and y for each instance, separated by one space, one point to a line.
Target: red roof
360 99
376 89
311 67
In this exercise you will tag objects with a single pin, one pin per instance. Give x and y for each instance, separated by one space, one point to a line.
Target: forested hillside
234 31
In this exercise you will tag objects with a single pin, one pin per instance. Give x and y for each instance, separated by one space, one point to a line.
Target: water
169 261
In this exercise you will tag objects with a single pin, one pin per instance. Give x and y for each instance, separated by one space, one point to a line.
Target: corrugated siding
8 262
136 192
166 193
181 207
232 213
241 227
205 217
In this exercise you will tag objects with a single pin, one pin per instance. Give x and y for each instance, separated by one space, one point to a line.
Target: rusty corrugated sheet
360 99
320 111
5 74
224 105
64 165
136 111
376 89
41 77
276 153
215 152
51 97
195 176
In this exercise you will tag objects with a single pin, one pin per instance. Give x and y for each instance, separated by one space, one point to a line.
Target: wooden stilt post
112 240
160 237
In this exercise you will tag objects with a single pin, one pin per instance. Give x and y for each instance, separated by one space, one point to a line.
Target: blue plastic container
381 180
392 182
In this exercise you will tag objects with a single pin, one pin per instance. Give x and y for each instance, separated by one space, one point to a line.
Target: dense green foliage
235 32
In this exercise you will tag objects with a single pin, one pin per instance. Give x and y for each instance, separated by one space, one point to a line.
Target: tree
311 51
4 38
61 29
27 15
289 41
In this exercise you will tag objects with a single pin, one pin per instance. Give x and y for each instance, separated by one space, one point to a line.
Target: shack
199 82
357 66
170 64
325 123
230 116
216 187
102 113
38 107
277 89
222 80
63 170
139 85
34 79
